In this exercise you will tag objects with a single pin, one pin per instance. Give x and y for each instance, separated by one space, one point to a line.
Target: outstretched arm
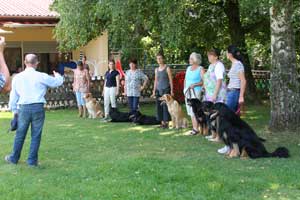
51 81
3 67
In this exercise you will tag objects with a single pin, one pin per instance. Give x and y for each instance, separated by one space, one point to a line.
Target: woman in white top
214 83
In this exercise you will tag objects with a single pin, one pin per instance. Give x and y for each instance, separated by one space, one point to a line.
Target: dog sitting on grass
237 134
203 119
93 107
178 117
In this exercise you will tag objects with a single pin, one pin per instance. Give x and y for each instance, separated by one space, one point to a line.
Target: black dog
117 116
141 119
240 136
200 114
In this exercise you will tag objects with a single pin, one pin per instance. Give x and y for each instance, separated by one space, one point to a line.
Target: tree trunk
285 85
237 35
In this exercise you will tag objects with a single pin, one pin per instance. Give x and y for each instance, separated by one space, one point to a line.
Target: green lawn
90 160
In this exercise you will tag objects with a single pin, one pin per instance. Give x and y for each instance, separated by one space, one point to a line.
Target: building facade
28 28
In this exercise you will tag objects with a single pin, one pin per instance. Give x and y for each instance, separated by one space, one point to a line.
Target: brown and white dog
178 117
93 107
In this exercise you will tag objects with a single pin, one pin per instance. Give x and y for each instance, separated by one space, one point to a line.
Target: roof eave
16 17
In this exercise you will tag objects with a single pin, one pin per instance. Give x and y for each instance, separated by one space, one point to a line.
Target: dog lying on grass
117 116
141 119
178 117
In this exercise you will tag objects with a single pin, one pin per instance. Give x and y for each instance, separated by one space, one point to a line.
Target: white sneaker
224 150
209 137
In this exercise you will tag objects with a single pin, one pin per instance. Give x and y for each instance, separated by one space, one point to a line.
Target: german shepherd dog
236 133
202 118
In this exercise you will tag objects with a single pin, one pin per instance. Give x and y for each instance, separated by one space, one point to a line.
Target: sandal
194 132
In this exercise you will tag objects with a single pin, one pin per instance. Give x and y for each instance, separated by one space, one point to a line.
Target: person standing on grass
214 83
163 84
5 84
86 66
84 63
27 102
111 88
135 83
237 84
81 85
193 86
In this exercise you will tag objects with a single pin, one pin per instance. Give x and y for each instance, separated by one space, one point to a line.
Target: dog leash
190 93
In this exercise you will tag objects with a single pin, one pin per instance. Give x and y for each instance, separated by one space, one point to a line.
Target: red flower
178 84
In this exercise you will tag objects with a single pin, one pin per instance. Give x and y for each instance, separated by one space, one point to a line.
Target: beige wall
30 34
96 52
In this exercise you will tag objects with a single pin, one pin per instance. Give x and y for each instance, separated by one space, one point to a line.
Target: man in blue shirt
4 72
27 101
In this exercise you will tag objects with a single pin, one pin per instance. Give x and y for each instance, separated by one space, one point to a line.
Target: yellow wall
96 52
30 34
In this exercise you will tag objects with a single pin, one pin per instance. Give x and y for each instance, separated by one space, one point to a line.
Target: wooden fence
63 97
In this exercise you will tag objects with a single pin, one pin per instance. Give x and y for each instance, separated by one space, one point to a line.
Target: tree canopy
177 27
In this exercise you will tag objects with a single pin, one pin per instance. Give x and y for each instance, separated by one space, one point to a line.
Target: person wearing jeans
236 87
27 102
135 83
5 84
81 85
111 88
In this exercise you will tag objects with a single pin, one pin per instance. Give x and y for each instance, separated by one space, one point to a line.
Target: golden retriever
178 117
93 107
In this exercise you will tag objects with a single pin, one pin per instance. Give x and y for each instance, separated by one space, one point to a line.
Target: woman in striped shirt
237 84
237 81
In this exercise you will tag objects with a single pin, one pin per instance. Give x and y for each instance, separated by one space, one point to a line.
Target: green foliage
80 22
142 28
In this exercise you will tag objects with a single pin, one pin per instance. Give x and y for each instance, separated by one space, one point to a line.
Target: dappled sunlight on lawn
65 125
141 129
6 115
174 132
281 192
81 155
154 130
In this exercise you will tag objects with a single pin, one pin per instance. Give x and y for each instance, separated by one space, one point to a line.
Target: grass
86 159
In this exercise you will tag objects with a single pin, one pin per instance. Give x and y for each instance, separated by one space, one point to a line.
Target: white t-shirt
219 70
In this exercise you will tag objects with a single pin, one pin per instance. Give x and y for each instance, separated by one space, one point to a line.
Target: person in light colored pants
110 94
111 88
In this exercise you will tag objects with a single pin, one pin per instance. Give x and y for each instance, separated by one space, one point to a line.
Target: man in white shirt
27 102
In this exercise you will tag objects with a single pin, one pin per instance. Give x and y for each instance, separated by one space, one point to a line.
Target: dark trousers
162 112
133 103
34 115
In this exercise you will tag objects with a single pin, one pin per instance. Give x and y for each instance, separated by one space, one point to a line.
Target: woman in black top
111 88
